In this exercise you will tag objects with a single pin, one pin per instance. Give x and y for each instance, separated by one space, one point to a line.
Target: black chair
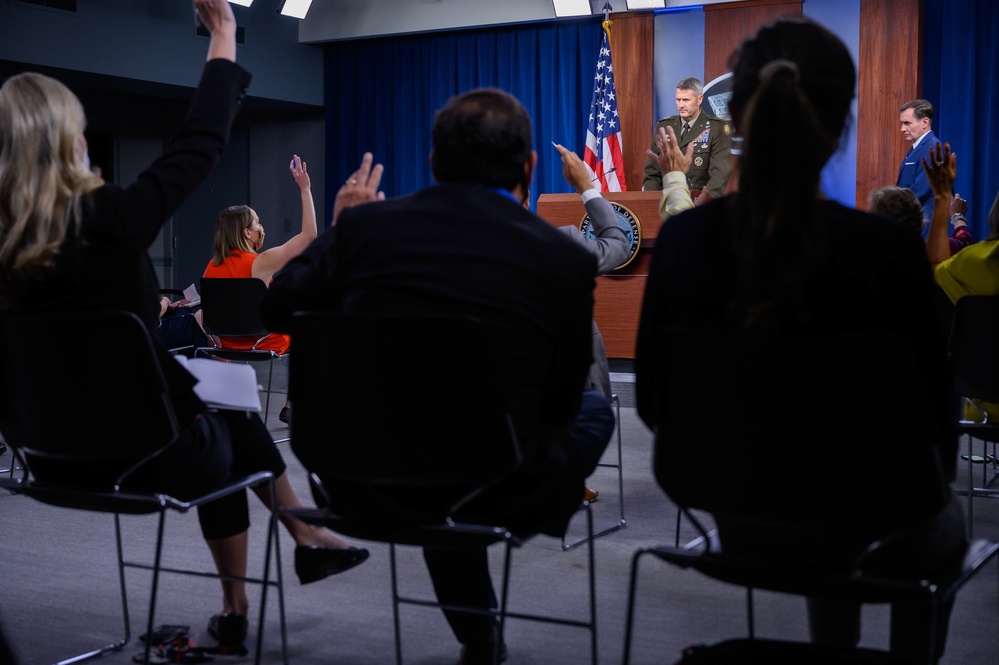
407 418
230 307
798 438
52 396
974 353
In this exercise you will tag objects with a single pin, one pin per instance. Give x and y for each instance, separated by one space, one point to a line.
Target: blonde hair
42 180
229 232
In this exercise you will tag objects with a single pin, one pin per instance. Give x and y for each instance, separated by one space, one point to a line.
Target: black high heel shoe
315 563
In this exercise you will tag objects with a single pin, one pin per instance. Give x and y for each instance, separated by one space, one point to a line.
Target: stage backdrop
381 95
961 79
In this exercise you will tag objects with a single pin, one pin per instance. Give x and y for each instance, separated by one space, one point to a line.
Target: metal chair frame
36 433
230 307
358 415
975 360
566 546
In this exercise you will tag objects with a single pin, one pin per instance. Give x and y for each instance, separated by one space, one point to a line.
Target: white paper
224 385
191 296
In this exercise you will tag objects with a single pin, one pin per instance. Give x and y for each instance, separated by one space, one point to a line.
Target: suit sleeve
144 206
307 282
610 243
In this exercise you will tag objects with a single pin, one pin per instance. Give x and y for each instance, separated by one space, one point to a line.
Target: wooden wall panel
727 25
891 66
632 41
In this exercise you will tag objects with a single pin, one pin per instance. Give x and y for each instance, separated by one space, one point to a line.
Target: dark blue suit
912 176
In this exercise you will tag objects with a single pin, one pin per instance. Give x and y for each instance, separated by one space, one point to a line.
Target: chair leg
121 579
270 376
629 621
157 561
114 646
395 605
593 580
620 488
273 544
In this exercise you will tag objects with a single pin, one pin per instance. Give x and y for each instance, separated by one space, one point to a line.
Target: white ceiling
333 20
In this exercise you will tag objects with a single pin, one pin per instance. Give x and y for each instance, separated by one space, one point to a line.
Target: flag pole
606 9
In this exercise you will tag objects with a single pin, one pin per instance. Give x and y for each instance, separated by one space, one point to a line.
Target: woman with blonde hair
71 241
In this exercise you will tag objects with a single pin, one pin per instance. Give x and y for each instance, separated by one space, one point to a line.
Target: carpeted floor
58 588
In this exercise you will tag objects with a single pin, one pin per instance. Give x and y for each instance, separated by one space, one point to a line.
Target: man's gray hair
691 84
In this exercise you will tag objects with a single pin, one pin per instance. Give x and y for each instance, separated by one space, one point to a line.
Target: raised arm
674 165
217 17
273 259
609 242
940 174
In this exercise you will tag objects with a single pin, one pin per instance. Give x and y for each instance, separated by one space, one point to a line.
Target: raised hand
299 171
361 186
669 158
574 170
942 172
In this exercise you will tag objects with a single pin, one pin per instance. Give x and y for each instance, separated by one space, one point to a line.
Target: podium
618 296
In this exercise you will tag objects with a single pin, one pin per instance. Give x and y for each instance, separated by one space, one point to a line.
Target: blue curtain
961 80
381 96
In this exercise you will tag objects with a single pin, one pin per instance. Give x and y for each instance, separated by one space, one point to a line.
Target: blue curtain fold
381 96
961 80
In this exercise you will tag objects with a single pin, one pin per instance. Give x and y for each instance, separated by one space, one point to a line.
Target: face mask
86 160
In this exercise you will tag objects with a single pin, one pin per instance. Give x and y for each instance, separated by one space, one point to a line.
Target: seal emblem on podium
628 222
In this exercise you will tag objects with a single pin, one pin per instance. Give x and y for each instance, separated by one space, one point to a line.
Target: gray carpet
58 589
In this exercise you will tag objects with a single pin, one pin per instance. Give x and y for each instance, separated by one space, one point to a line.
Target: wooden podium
618 296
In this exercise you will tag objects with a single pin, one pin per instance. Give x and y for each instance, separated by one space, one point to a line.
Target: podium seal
628 222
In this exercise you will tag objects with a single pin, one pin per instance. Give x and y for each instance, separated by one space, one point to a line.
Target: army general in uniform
711 163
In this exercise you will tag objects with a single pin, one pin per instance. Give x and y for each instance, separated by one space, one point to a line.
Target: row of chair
356 368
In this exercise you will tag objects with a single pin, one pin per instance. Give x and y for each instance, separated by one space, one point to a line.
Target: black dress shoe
315 563
285 415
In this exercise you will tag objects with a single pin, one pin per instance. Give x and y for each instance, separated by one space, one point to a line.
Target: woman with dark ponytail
776 260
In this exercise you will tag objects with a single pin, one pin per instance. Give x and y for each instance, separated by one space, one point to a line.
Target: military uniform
711 161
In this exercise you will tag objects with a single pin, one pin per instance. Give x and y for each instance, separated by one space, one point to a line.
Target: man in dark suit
711 136
467 246
915 118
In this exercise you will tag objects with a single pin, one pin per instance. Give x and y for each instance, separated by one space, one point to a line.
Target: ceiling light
296 8
646 4
572 7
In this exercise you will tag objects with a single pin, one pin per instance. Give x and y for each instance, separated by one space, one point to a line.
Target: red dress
240 264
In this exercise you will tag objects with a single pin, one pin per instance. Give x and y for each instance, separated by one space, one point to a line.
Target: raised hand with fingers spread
361 186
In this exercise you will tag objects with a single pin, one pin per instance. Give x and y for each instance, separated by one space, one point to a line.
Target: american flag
603 135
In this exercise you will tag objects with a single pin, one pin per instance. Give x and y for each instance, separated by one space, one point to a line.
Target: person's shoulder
879 231
668 119
718 123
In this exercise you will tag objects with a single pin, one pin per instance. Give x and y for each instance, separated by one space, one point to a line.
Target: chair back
230 306
403 406
828 432
974 347
69 404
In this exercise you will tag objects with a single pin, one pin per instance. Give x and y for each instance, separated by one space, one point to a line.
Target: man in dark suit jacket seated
467 246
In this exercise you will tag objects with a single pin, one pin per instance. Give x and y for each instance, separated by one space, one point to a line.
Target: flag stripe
603 151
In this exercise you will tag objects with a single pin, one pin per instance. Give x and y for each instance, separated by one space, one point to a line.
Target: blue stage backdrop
961 80
381 96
